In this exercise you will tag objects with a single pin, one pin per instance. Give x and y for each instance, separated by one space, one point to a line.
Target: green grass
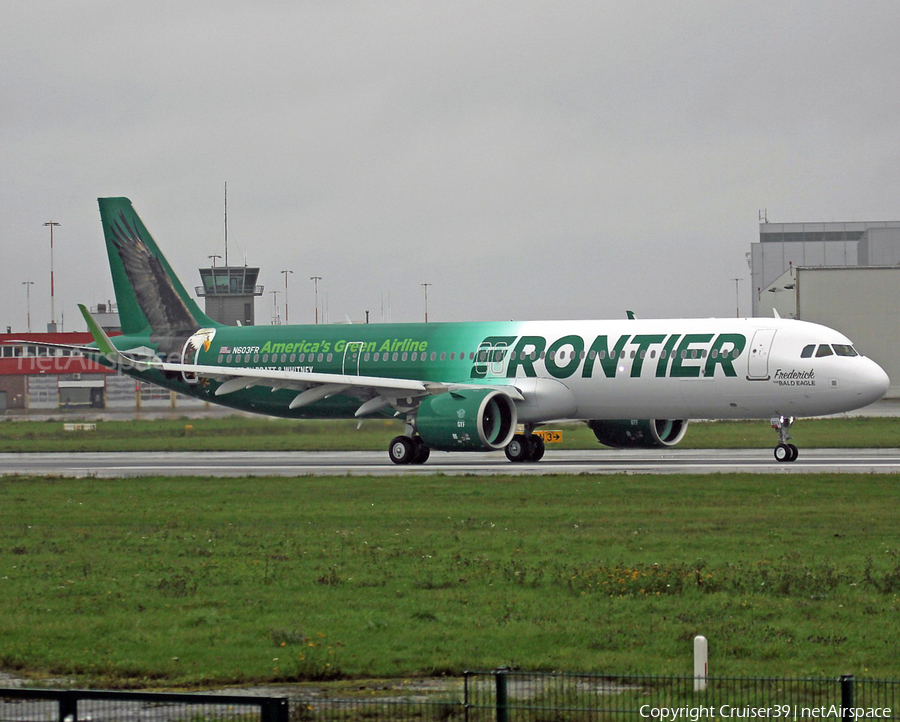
197 581
240 433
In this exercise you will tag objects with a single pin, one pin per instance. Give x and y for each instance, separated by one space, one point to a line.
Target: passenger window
808 351
824 350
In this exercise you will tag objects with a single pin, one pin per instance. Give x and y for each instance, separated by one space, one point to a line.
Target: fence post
847 697
466 693
502 711
274 709
701 662
68 706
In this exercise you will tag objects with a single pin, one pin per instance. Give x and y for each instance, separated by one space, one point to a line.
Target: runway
370 463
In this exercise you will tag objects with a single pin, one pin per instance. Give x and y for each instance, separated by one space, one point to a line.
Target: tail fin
150 297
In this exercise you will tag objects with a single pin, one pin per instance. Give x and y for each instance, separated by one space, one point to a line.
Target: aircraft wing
377 392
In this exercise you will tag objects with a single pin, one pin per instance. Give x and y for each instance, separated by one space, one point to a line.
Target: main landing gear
408 450
784 452
525 447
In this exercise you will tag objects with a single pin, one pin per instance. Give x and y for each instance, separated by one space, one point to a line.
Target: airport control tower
229 292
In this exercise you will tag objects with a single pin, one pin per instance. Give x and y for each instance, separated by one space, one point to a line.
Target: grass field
165 582
241 433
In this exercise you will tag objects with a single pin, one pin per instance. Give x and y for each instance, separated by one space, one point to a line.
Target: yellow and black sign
550 436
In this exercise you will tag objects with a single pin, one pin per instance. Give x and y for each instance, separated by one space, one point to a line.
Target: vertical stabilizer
150 297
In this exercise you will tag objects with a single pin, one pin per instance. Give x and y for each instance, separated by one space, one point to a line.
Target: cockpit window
824 350
844 350
808 351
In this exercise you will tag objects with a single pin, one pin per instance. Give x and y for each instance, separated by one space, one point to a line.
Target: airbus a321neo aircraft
466 386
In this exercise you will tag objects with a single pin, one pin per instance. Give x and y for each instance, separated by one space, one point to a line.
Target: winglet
630 315
104 345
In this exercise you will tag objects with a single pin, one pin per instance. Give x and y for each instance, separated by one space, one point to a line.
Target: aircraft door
498 354
758 359
352 355
489 359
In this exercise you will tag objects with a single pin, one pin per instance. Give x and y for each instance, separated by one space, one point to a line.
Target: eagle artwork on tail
171 322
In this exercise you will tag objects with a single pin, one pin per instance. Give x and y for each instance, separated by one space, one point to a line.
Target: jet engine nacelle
641 433
467 420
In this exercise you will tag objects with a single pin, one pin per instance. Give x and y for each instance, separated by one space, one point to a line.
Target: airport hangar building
47 379
842 275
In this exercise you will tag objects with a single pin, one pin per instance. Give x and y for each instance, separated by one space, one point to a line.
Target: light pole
316 280
425 286
28 285
275 307
286 318
52 293
214 256
737 295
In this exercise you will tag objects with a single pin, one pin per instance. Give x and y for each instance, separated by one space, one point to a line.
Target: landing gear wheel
537 447
420 452
402 450
519 449
784 453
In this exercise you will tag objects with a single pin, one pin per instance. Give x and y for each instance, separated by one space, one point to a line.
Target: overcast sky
530 160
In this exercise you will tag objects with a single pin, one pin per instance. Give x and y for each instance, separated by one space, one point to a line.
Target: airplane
468 386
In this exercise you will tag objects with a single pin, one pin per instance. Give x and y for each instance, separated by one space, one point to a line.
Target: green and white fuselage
466 386
672 368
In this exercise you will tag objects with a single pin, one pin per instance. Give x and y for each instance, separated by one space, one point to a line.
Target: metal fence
501 695
20 705
506 695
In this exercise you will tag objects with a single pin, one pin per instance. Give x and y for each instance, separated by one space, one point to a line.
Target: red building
32 376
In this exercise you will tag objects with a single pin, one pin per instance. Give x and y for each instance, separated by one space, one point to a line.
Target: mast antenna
226 223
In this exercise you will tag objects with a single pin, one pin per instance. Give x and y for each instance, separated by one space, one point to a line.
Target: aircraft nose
874 382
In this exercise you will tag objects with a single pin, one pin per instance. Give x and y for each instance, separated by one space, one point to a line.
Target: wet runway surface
365 463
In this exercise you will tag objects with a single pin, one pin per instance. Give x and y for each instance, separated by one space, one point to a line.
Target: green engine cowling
467 420
639 433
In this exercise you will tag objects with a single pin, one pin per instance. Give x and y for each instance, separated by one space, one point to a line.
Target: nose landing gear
784 452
